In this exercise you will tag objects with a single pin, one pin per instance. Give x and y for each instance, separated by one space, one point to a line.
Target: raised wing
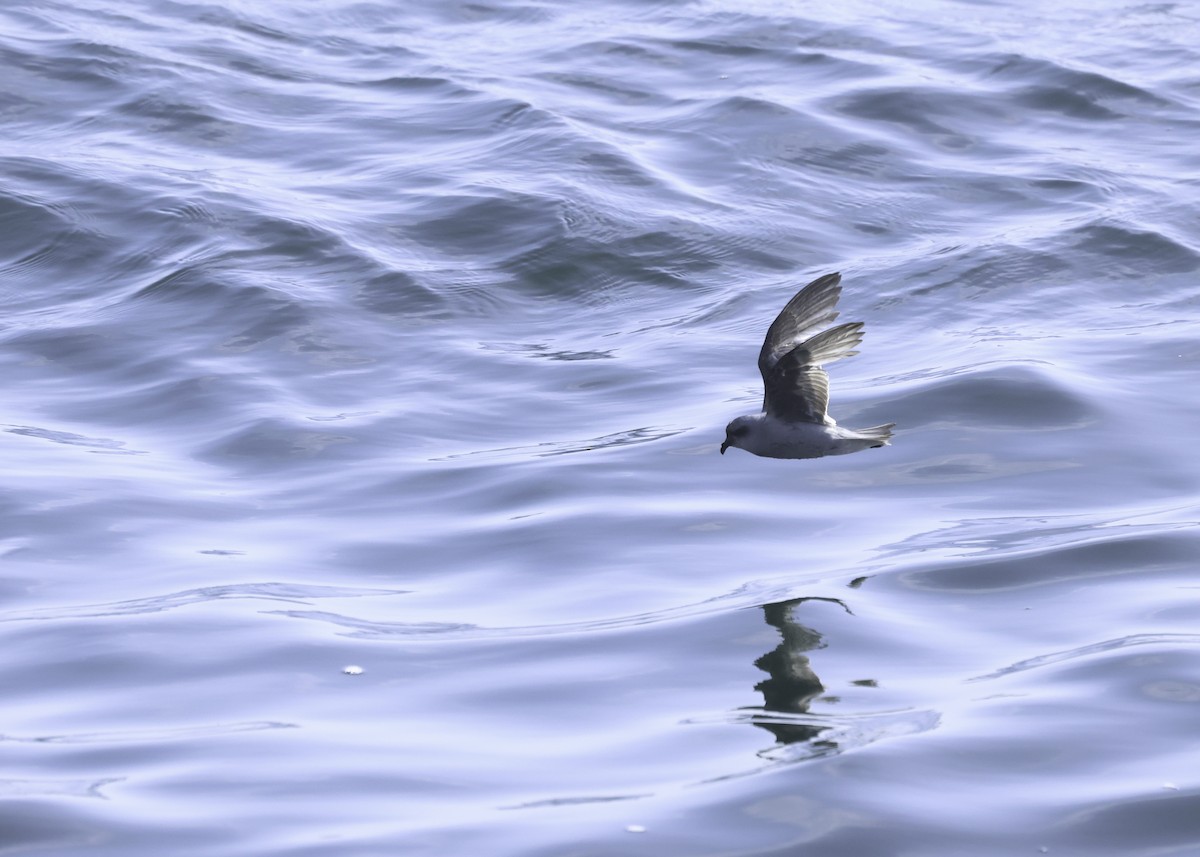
811 307
796 392
796 388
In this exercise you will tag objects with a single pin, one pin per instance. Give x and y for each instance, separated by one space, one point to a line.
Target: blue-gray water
403 335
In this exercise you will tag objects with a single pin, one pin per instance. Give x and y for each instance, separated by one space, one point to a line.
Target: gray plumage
795 422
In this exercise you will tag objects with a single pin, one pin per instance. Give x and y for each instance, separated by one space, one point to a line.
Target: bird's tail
880 434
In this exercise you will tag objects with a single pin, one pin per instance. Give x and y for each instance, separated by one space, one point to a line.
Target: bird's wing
796 388
796 392
811 307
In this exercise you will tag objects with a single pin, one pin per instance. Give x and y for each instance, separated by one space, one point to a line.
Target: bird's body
794 422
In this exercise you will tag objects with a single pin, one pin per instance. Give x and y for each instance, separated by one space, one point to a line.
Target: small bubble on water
636 828
352 670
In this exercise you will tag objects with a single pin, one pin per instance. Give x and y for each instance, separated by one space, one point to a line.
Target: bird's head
737 432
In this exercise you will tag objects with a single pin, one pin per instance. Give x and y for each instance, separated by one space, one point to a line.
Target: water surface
404 337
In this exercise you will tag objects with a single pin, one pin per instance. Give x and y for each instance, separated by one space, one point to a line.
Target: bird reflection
792 685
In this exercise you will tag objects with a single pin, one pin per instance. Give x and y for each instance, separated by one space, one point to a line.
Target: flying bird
794 422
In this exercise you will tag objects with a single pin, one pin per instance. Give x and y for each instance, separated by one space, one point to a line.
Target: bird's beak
724 447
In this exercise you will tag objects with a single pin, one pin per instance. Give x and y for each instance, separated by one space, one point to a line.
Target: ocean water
402 336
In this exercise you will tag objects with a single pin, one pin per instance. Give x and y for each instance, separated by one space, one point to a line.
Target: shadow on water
792 689
792 685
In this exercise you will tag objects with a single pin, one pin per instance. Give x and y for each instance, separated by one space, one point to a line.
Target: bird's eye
741 431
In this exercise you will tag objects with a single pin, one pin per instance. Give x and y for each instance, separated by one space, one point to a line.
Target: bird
794 422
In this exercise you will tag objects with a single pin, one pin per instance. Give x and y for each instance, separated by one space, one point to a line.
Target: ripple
547 449
491 227
1018 397
152 736
751 595
1092 554
1135 251
837 734
99 445
171 601
1073 85
54 788
1171 641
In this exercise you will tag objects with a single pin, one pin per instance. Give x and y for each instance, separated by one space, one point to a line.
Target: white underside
773 438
